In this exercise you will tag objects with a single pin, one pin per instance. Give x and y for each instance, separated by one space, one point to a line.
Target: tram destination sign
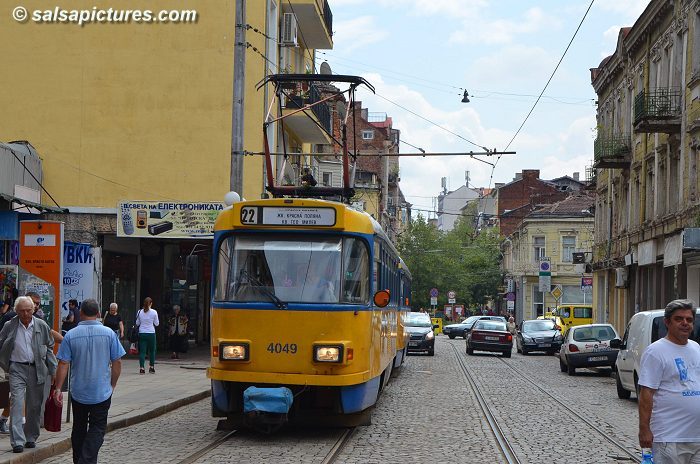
282 216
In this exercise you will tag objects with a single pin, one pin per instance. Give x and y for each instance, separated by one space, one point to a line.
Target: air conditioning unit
289 30
621 277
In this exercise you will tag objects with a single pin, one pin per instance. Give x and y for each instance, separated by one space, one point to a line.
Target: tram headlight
328 353
430 335
234 352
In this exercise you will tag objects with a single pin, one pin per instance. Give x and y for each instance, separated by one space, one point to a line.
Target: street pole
239 49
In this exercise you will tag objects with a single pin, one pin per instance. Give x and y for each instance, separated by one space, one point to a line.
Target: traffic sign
557 292
545 265
451 294
433 292
433 301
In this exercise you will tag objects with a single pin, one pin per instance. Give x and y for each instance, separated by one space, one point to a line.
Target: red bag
52 414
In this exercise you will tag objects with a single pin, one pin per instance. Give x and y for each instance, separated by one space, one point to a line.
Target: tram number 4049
278 348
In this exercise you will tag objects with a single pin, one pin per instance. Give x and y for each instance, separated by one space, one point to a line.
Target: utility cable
433 123
544 88
487 93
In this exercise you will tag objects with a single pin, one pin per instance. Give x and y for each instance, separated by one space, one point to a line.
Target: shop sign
41 265
161 219
79 261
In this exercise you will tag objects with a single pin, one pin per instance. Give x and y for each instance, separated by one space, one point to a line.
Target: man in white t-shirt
669 396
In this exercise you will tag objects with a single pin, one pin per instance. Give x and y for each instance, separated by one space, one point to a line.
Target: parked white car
588 346
642 330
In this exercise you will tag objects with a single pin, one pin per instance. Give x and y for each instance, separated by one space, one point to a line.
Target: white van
642 330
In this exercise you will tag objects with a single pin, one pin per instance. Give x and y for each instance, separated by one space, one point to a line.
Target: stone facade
646 155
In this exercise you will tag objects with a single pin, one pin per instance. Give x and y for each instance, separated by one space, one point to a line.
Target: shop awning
31 204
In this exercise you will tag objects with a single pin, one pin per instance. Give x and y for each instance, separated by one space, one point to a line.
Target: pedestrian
7 314
73 317
94 354
669 390
113 320
510 325
36 299
147 321
26 352
177 332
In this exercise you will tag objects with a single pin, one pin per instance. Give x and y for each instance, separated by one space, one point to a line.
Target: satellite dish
326 68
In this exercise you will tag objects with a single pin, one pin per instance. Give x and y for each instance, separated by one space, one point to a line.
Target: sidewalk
136 399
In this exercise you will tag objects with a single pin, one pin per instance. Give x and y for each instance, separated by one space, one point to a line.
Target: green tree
461 260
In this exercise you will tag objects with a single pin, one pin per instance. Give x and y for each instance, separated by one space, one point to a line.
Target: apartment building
645 156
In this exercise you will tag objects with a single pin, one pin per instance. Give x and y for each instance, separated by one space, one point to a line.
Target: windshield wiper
262 288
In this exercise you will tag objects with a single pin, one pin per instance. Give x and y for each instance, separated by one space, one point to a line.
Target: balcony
612 151
306 124
314 22
658 110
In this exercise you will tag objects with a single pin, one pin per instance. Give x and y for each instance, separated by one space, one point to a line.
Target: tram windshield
299 269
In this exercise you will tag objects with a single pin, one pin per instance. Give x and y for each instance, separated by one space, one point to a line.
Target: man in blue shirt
89 348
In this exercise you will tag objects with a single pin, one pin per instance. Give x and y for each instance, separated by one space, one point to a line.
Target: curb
39 454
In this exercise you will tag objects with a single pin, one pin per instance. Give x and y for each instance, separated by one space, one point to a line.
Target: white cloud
356 33
482 30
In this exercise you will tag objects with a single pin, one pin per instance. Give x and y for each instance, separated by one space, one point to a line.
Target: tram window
293 269
222 271
355 272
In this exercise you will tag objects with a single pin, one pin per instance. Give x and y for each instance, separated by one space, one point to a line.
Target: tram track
337 448
629 456
504 445
330 457
624 454
201 452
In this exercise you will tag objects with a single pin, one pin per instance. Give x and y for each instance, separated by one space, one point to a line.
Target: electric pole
239 49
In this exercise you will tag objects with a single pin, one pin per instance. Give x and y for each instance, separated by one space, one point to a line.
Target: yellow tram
307 305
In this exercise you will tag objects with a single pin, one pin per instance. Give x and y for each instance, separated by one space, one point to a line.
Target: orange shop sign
41 264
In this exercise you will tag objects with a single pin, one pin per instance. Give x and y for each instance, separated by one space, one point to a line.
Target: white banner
78 274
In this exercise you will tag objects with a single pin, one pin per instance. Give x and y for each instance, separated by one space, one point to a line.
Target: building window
537 301
568 245
574 294
327 179
367 134
538 248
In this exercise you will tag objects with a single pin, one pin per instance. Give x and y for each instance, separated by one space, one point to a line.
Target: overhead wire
472 92
543 89
432 122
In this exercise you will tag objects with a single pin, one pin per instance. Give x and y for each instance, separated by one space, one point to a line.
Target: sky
421 55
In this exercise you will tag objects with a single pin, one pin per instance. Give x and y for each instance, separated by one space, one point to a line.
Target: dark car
462 329
490 335
538 335
420 328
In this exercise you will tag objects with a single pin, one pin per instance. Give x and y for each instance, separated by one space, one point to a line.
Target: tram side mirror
382 297
435 326
616 343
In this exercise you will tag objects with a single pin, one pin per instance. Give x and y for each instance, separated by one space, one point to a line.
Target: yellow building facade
133 110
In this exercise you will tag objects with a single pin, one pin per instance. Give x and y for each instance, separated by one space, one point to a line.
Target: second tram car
306 314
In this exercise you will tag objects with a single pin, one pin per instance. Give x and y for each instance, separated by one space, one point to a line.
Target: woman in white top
147 321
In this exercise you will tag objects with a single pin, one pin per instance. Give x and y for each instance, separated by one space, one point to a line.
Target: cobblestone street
428 413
